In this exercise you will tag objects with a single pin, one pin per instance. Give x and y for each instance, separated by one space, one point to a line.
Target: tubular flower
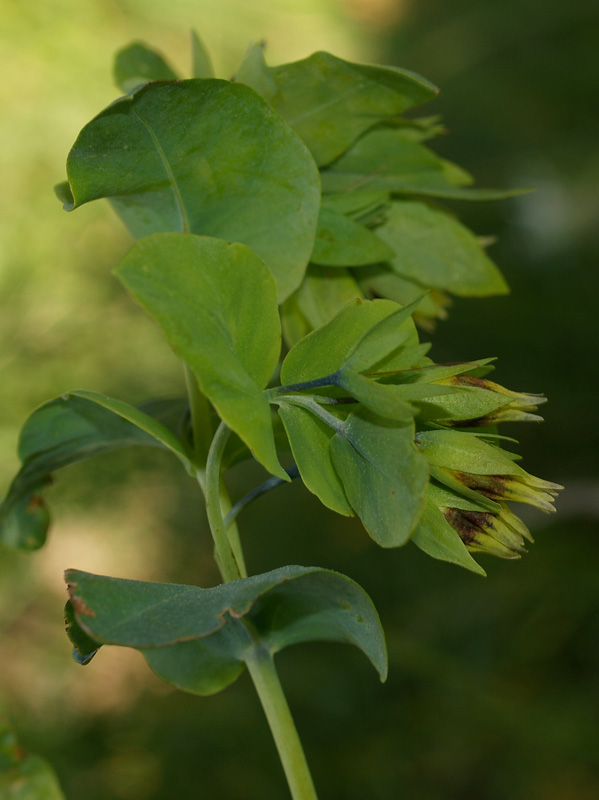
477 479
500 534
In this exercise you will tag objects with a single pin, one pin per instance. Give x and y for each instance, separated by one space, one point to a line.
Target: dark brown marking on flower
491 486
466 528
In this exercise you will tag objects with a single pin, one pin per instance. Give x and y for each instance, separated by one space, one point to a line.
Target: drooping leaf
71 428
341 242
217 305
198 639
433 248
330 102
201 65
383 475
207 157
310 440
386 160
137 64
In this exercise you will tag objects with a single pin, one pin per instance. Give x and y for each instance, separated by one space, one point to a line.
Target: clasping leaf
198 639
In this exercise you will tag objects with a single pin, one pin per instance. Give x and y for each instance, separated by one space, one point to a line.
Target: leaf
330 102
341 242
254 72
71 428
382 399
387 160
383 475
218 311
465 452
310 440
323 293
463 403
198 639
381 281
200 60
207 157
137 64
324 351
435 537
433 248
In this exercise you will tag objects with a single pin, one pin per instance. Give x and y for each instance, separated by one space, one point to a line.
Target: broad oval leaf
207 157
198 639
330 102
436 250
71 428
383 475
217 305
341 242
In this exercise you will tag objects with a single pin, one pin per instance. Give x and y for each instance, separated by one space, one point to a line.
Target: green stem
260 664
264 675
225 557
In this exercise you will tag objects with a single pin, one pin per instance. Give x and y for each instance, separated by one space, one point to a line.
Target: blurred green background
494 687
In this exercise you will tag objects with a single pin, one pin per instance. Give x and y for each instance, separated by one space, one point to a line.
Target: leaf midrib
171 176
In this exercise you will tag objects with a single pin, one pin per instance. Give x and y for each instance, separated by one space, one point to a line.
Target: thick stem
265 678
260 664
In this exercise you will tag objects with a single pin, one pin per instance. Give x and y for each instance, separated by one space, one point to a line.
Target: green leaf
435 250
435 537
200 60
323 293
207 157
330 102
137 64
355 203
463 403
465 452
71 428
325 350
218 310
381 281
387 160
310 440
382 399
198 639
383 475
341 242
254 72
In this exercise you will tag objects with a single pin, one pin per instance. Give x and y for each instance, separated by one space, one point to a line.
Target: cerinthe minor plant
295 199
